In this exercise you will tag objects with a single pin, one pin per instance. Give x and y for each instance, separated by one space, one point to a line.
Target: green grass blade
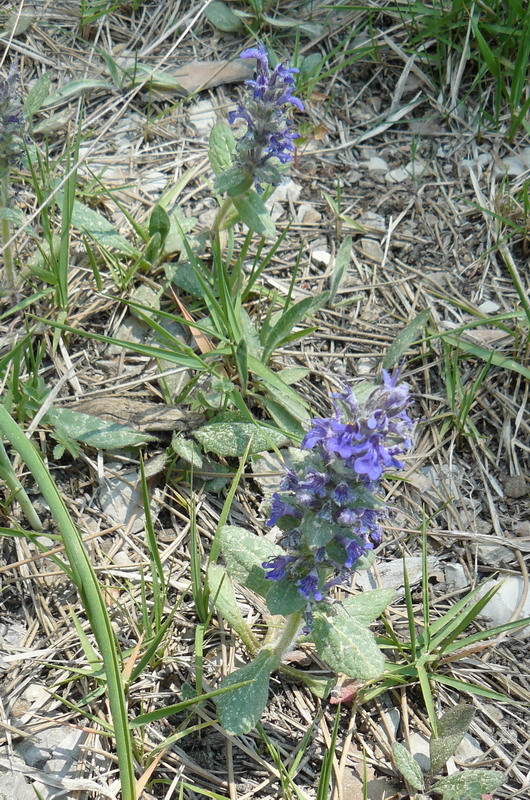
89 591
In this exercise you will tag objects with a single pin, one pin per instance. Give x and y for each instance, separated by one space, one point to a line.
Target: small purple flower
279 508
277 567
308 587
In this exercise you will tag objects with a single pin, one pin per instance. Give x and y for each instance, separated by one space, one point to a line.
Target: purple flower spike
331 489
269 133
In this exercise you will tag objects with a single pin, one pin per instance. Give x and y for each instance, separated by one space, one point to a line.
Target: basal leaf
347 646
240 711
89 221
222 17
93 431
222 592
232 438
244 552
458 785
408 766
37 95
452 727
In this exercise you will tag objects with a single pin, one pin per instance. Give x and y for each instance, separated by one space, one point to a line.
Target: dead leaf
139 413
207 74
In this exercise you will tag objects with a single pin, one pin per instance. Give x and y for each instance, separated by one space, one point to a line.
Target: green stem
8 250
288 635
87 585
221 214
8 474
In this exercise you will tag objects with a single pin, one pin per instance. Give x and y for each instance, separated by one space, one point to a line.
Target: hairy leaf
462 784
452 728
244 553
408 766
239 711
347 646
232 438
368 606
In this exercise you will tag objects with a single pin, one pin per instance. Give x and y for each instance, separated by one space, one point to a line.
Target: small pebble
522 528
515 486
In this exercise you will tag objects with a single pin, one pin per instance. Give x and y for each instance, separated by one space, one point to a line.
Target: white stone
307 214
468 750
36 694
419 747
455 577
375 164
121 498
492 554
372 249
287 190
397 175
13 786
320 257
502 605
489 307
203 116
417 168
391 574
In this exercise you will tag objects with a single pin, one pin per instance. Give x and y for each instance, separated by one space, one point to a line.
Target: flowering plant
266 143
329 513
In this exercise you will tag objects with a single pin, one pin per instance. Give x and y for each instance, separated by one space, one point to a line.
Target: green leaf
342 261
179 226
282 417
37 95
290 319
93 431
240 711
411 333
234 181
284 598
87 220
279 390
347 646
318 532
244 553
242 364
160 223
407 765
221 146
222 592
486 355
452 727
293 374
232 438
368 606
187 449
458 785
222 17
254 215
74 89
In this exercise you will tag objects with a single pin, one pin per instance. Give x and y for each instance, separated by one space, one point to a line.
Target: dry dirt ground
433 205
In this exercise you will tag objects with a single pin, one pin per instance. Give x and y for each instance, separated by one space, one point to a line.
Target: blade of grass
86 582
